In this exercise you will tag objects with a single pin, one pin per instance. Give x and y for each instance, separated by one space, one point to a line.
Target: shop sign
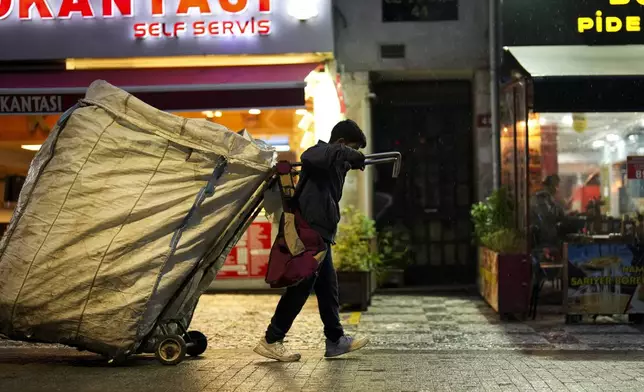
115 28
31 10
635 168
604 279
249 258
602 22
31 104
588 22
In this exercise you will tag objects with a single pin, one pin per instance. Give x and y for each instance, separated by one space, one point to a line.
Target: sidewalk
420 343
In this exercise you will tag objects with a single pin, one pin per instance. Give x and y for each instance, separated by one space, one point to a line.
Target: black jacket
324 168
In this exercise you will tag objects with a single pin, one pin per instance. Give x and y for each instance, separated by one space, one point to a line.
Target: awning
584 78
166 89
544 61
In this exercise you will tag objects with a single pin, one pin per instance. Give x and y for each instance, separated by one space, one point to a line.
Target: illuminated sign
214 13
58 29
31 104
605 22
572 22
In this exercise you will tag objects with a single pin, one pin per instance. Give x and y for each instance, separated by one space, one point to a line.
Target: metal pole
495 63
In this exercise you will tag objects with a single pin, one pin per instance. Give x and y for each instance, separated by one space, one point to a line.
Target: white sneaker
276 351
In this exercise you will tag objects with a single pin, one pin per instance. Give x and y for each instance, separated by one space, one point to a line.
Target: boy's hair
350 132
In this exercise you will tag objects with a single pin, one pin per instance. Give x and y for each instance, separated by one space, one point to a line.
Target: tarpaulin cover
123 204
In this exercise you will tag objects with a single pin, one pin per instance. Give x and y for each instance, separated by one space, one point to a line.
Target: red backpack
298 250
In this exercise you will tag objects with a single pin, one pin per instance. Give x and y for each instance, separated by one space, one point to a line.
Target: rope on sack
207 191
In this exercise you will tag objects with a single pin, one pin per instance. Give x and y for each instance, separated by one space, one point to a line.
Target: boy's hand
358 161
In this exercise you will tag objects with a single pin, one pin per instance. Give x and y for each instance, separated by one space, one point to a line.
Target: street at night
419 343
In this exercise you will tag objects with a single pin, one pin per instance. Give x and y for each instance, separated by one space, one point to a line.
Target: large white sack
86 259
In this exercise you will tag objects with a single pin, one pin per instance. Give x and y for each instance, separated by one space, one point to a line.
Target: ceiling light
282 148
301 112
599 144
218 113
611 137
642 123
31 147
633 138
542 121
254 112
208 113
302 9
640 150
567 120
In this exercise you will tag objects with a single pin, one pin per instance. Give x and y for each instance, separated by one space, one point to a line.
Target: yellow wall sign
602 22
579 122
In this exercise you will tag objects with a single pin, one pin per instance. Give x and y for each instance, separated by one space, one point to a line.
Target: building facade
415 76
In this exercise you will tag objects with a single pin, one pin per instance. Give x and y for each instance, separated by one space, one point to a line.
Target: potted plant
505 271
393 247
355 258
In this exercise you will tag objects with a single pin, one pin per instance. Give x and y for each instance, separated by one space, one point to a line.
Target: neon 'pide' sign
216 17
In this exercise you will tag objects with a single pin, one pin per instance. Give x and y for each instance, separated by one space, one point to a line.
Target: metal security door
433 195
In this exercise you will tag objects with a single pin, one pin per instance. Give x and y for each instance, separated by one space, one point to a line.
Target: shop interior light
640 151
218 113
542 121
301 112
254 112
611 137
599 144
303 9
642 122
282 148
208 113
31 147
195 61
567 120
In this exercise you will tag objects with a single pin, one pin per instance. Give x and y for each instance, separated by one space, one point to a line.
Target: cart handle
377 158
386 157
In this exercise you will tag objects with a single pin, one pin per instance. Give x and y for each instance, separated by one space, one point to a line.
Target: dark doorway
430 123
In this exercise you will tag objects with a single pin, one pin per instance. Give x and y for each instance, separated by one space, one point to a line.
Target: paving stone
418 344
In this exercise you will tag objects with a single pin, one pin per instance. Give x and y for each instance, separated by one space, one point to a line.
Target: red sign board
249 258
484 120
635 168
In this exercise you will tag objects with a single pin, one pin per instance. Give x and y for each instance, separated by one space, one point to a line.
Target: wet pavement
419 343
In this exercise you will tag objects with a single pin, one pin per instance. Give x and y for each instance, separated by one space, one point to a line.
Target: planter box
504 281
355 289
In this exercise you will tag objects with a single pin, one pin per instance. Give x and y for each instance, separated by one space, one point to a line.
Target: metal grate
392 51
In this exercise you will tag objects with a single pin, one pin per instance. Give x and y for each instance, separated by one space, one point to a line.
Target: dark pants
291 303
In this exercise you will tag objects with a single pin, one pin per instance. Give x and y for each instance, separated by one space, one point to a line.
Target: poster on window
635 168
605 279
249 258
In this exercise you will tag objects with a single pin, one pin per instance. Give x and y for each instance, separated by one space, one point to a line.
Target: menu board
249 258
605 279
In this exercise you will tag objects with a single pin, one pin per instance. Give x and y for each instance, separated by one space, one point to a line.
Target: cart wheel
197 343
636 318
170 350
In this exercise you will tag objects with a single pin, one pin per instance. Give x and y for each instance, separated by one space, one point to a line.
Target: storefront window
588 152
